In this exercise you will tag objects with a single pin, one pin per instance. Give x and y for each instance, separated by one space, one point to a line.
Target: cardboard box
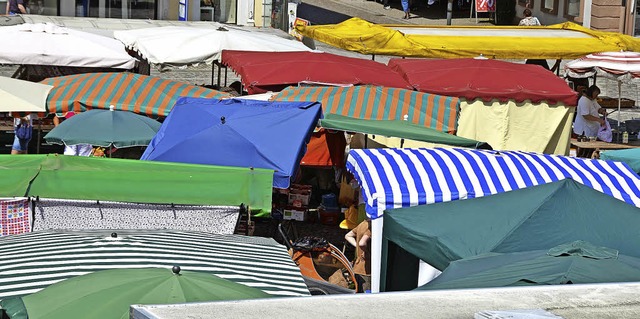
293 214
299 199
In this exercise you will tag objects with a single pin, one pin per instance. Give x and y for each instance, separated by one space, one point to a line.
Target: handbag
347 194
604 132
24 131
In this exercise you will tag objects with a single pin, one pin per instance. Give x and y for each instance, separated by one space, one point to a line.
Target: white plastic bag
604 132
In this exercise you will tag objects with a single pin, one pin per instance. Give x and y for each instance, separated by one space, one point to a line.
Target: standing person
529 20
405 8
23 128
360 238
588 120
15 7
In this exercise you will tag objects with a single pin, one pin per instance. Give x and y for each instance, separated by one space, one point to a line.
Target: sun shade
485 79
137 93
559 41
264 71
380 103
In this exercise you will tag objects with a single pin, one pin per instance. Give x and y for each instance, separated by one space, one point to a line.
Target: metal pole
39 135
449 11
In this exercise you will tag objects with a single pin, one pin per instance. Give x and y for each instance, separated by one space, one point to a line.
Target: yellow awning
560 41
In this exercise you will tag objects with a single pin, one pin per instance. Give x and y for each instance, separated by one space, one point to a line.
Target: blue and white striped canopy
394 178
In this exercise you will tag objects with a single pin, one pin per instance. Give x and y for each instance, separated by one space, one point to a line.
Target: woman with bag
588 113
23 129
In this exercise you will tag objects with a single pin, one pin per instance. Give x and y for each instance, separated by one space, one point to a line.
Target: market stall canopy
106 128
559 41
631 157
174 46
394 178
381 103
265 71
514 221
137 93
94 178
31 262
616 64
108 294
49 44
397 128
22 96
574 263
234 132
485 79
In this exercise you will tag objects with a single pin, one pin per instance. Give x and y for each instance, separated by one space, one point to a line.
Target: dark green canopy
532 218
397 128
111 179
574 263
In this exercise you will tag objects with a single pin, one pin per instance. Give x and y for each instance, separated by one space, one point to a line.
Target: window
549 6
572 8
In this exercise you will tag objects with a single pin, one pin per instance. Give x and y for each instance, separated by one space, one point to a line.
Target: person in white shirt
588 119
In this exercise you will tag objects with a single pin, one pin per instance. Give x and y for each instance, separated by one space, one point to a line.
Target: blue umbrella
234 132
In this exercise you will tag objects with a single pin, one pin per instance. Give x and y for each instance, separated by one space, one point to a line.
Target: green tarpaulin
574 263
397 128
533 218
110 179
631 157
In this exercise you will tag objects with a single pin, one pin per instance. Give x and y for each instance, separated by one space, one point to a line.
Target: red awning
268 71
325 149
485 79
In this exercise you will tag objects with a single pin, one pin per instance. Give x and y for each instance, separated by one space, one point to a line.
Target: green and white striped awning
33 261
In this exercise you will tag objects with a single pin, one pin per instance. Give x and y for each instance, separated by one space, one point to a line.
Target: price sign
485 5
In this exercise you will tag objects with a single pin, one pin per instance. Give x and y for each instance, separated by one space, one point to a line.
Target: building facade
604 15
241 12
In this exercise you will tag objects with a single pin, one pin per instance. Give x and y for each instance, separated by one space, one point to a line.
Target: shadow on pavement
317 15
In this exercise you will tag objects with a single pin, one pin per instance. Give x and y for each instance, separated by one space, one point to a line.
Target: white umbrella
619 65
185 46
48 44
22 96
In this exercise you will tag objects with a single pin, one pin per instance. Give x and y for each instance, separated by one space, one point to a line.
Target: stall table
586 149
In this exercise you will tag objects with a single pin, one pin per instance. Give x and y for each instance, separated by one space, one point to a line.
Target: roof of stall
559 41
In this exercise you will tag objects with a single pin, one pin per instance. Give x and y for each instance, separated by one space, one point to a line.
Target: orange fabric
325 149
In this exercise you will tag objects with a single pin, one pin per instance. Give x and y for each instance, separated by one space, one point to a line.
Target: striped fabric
381 103
615 63
394 178
137 93
31 262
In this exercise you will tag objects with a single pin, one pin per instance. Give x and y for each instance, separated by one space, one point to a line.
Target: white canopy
175 46
48 44
22 96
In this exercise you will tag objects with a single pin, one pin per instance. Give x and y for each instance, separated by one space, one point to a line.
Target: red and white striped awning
613 63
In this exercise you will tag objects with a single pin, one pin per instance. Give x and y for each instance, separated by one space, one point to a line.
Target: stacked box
298 202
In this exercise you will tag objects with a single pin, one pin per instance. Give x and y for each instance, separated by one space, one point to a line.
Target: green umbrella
105 128
397 128
575 263
109 293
